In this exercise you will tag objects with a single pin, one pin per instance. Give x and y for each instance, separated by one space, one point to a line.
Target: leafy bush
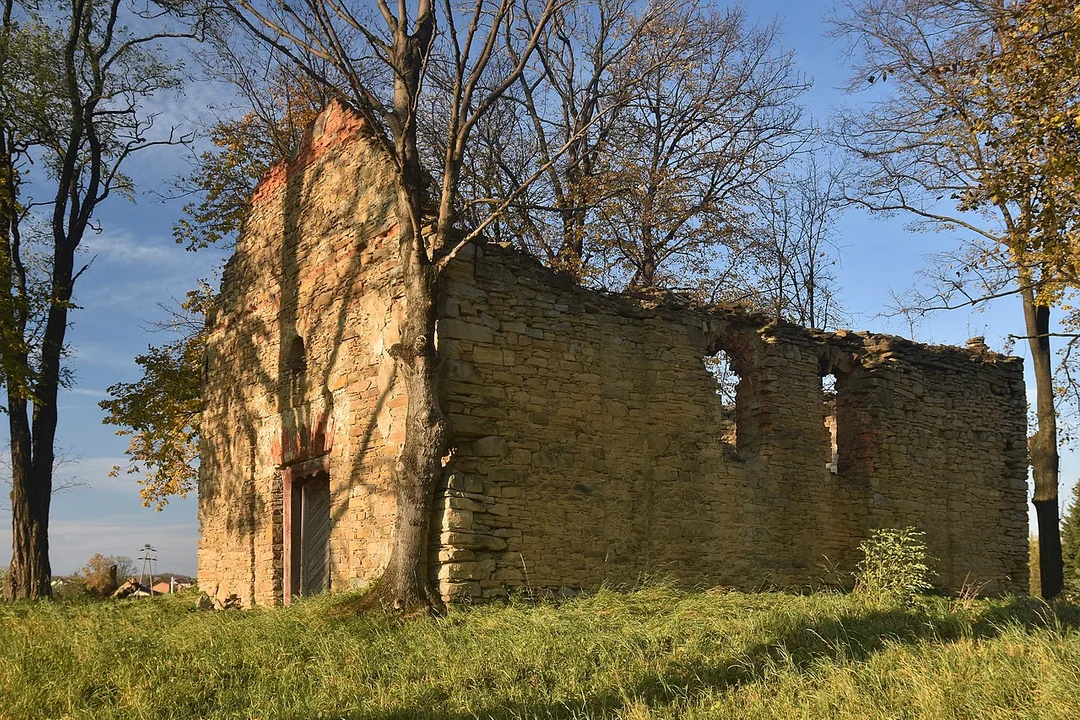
71 587
895 565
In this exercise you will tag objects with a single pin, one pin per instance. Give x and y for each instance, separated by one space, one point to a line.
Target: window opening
727 384
829 412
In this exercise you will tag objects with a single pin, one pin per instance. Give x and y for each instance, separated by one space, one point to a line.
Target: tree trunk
33 436
1044 445
645 275
419 465
30 574
572 247
406 584
32 440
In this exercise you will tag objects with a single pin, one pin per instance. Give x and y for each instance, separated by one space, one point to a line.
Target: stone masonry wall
312 264
590 444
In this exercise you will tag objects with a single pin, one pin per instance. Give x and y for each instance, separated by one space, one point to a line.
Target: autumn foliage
160 411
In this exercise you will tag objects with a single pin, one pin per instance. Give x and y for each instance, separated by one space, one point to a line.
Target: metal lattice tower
148 560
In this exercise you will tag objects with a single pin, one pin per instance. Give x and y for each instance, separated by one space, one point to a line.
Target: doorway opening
307 531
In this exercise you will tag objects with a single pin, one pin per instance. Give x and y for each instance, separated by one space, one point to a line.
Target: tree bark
406 585
419 465
97 56
29 575
33 436
1044 445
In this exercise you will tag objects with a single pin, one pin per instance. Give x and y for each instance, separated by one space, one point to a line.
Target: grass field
654 653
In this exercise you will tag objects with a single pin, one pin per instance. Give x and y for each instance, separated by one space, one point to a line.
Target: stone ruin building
589 439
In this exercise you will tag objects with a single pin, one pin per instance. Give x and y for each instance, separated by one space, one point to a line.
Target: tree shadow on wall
331 328
239 496
850 638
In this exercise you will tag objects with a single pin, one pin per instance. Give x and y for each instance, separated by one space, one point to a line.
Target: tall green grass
654 653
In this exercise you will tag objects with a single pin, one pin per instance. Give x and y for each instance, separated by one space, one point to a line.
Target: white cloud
93 473
187 113
72 541
121 246
76 475
131 276
107 355
88 392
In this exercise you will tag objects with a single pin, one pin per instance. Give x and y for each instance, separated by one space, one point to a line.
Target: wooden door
306 518
314 549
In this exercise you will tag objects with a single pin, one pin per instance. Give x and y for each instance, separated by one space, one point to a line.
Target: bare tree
402 41
652 125
791 276
559 118
275 101
939 141
713 115
78 110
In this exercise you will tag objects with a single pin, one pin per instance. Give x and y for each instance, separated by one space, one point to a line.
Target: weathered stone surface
592 444
473 542
490 446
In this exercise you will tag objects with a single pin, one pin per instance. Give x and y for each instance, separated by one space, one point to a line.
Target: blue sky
137 266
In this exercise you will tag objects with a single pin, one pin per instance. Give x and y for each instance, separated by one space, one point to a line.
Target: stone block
490 446
472 541
462 330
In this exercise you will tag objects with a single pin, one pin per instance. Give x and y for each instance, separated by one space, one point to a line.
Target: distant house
171 584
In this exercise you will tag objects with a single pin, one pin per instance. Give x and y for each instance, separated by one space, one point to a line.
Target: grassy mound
654 653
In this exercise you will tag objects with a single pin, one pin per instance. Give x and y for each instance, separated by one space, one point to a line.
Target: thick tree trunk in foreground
1044 450
419 465
32 391
406 584
91 121
29 575
33 437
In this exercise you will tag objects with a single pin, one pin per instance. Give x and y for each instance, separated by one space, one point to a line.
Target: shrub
104 573
71 587
895 565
